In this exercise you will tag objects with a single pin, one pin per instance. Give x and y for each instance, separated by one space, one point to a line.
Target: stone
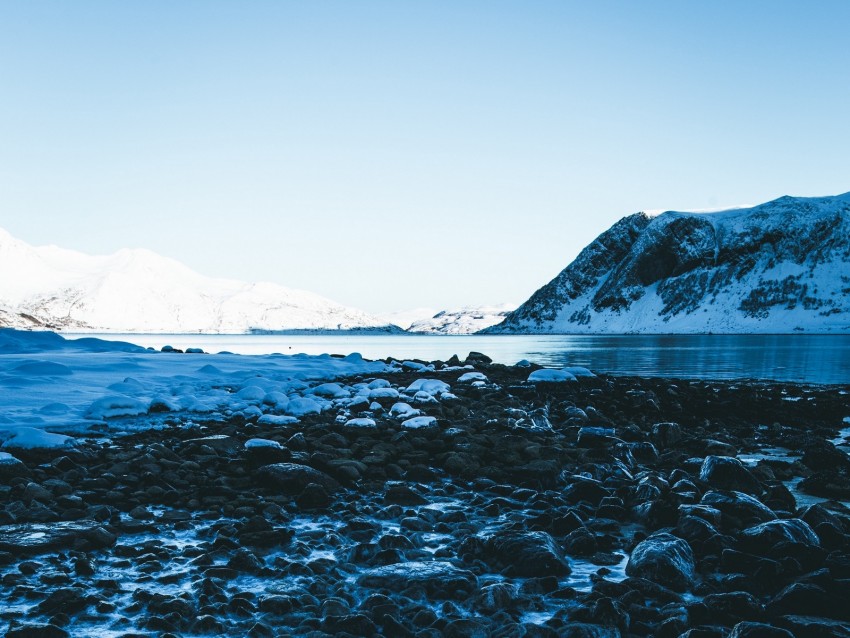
665 559
438 579
292 478
526 554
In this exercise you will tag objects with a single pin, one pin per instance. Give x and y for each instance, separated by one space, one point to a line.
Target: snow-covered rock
27 438
550 376
462 321
780 267
140 291
419 423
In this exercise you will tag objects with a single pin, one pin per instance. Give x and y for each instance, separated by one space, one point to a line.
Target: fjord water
820 359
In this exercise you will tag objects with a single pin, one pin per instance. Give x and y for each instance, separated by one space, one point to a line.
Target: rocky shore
466 501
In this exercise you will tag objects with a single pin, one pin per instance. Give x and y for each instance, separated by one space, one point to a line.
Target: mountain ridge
138 290
779 267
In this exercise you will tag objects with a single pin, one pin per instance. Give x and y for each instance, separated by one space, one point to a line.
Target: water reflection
802 358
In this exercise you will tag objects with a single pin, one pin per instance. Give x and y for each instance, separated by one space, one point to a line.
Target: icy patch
469 377
550 376
25 438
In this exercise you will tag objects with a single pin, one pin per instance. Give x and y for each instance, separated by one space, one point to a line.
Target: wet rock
313 496
37 631
32 539
526 554
402 494
758 630
771 533
665 559
727 473
739 510
666 435
438 579
595 437
292 478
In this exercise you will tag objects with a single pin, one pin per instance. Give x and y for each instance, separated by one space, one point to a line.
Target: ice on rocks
578 371
116 406
469 377
262 443
330 391
419 423
434 387
383 393
26 438
252 393
277 419
378 383
403 411
302 406
361 423
549 375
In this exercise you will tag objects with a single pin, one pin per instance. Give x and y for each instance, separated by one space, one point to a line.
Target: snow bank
47 382
26 438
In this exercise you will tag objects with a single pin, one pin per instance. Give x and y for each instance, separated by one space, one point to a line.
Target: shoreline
605 506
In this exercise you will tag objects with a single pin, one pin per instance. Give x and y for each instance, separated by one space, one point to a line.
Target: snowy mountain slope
140 291
780 267
406 318
462 321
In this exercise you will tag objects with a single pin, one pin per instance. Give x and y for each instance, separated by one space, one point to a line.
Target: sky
392 155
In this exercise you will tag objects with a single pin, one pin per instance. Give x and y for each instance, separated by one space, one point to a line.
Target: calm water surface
802 358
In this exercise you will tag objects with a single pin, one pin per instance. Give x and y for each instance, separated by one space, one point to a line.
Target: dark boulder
665 559
728 473
292 478
526 554
437 579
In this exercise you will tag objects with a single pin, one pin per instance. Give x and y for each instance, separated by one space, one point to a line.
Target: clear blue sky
398 154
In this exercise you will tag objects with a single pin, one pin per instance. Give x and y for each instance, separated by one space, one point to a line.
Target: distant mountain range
461 321
140 291
780 267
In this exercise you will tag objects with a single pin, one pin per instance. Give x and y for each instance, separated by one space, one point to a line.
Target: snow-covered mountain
406 318
462 321
780 267
140 291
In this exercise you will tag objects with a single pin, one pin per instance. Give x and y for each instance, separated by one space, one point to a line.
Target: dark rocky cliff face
736 271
